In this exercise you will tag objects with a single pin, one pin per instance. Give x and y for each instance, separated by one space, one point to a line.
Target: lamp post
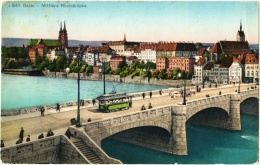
184 90
76 57
203 82
67 71
238 91
104 75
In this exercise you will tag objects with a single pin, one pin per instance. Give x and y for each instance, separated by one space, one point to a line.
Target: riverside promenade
34 124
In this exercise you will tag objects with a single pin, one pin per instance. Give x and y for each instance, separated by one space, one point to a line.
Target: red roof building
114 61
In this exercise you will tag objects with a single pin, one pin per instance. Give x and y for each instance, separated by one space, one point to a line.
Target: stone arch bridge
173 119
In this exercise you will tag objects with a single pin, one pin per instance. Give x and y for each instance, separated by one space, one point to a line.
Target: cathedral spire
240 25
64 26
124 37
60 27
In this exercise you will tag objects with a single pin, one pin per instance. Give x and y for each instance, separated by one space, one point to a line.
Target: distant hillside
9 42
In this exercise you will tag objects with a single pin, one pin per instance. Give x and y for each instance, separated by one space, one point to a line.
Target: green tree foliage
108 68
198 44
83 69
189 75
38 61
222 55
89 69
122 64
155 74
60 63
52 66
14 52
163 74
44 64
175 73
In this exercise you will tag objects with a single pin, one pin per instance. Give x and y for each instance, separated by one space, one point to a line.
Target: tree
175 73
44 64
222 55
83 69
188 75
155 74
60 63
122 64
89 69
163 74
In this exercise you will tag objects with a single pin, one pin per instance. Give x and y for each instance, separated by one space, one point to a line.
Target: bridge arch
193 110
250 106
117 129
213 117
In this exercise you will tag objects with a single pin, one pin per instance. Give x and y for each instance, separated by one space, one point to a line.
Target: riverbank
116 78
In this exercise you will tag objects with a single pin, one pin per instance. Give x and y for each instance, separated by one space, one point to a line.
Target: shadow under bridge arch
212 117
152 137
250 106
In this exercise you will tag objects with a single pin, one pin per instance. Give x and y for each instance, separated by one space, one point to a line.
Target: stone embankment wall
35 152
55 150
117 78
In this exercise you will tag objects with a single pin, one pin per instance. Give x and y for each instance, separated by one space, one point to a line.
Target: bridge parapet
220 101
101 129
249 93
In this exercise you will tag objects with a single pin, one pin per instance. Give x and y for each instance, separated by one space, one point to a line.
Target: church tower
240 34
63 36
124 37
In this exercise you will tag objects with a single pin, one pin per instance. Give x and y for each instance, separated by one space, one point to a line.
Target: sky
140 21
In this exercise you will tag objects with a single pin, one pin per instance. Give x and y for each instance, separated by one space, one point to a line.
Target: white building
198 71
55 53
147 55
235 72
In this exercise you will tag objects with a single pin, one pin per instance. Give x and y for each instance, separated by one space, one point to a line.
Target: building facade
235 72
198 71
114 61
251 68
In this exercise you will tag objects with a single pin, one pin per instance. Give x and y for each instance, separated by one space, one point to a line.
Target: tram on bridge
114 102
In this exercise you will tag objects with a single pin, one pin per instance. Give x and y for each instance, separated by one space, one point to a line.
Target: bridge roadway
34 124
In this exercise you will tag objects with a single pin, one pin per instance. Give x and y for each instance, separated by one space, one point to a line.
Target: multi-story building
198 71
114 61
121 46
251 68
176 55
55 53
219 73
184 64
147 52
235 72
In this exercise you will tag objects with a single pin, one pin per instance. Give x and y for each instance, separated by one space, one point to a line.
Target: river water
205 145
25 91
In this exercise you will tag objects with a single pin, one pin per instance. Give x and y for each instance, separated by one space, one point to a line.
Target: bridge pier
235 122
178 141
